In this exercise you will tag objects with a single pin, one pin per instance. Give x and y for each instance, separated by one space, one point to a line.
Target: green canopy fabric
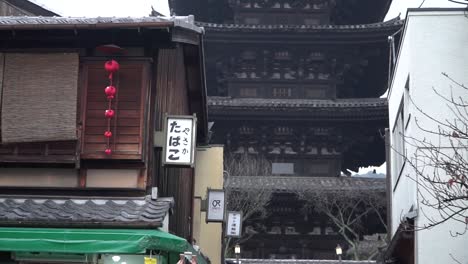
74 240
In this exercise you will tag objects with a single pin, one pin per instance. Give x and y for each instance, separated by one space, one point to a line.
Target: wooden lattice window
282 92
248 92
128 125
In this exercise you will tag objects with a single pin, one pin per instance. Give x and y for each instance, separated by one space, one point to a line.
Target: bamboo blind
39 101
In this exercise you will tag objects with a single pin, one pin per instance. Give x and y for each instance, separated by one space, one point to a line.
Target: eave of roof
393 24
45 23
291 184
338 108
83 212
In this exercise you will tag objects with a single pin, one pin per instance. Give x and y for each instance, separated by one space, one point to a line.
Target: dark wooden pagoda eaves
390 24
289 184
367 108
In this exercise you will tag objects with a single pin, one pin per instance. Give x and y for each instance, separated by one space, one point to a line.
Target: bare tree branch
253 201
438 163
347 210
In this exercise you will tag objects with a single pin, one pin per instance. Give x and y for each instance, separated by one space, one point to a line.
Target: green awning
74 240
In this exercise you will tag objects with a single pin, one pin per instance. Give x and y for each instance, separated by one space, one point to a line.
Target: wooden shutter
39 101
128 125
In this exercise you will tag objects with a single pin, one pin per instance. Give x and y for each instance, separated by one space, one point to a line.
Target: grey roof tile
296 103
368 107
84 212
286 183
391 24
23 22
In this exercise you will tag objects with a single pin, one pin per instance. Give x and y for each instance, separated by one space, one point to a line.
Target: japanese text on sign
179 140
234 224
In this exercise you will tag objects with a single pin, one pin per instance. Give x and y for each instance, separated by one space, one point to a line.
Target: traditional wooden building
80 172
297 82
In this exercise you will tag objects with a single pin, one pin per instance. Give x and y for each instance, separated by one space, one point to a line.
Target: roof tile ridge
392 22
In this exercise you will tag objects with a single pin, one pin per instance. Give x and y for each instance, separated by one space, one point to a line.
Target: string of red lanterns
111 67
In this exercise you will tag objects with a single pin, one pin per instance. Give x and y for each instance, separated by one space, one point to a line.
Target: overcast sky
139 8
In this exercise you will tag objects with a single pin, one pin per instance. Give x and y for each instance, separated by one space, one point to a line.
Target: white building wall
404 190
434 42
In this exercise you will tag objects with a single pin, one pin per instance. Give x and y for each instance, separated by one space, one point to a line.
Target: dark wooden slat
38 159
128 104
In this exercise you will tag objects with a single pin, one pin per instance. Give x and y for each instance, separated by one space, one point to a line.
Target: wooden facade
298 83
161 72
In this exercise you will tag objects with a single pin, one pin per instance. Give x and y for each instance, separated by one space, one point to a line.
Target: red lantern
109 113
108 151
111 66
108 134
110 91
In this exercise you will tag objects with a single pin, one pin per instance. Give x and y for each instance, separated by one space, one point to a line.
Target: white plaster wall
404 190
434 42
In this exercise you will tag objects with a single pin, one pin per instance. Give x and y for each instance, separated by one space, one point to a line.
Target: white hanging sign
180 140
215 206
234 224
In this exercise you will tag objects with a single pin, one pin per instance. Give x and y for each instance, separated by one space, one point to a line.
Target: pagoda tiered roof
392 24
356 108
344 11
369 33
292 184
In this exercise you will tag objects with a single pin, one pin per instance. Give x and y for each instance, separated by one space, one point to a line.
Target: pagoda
297 82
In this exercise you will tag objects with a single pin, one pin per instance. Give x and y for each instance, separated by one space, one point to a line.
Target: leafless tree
347 210
251 201
439 162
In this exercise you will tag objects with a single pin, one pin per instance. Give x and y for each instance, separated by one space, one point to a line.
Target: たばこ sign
180 140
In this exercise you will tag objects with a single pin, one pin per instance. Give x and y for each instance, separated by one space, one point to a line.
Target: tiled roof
287 184
296 103
84 212
31 7
338 107
391 24
299 261
16 22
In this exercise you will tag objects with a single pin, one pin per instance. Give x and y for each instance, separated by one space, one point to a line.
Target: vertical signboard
180 140
234 224
215 206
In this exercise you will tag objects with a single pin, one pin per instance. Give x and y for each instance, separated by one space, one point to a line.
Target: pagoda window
316 92
281 92
319 168
311 21
282 168
248 92
252 20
